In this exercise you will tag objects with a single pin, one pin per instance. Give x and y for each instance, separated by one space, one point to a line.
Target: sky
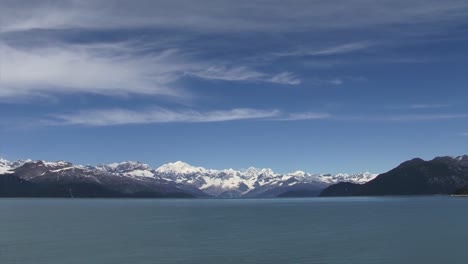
320 86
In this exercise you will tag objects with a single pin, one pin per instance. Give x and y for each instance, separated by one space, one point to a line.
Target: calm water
316 230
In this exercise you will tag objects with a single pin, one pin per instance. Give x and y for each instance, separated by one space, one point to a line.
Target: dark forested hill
442 175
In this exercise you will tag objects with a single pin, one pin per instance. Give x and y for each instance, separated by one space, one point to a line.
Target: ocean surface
311 230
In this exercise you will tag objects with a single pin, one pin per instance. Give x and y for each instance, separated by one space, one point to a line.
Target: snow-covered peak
179 168
298 173
125 166
359 178
229 172
252 172
5 166
18 163
51 165
8 166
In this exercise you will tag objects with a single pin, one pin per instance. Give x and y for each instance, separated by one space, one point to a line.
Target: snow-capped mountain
131 177
249 182
128 179
5 166
359 178
127 168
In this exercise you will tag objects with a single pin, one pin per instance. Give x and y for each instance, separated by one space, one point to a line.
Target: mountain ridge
129 177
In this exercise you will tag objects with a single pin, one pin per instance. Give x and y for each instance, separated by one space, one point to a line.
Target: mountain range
30 178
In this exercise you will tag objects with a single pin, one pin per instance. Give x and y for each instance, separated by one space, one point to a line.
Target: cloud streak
112 117
326 51
155 115
244 73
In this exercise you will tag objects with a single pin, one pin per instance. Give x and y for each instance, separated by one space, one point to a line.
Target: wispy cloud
285 78
465 134
345 48
118 116
326 51
244 73
113 69
227 74
109 70
121 69
111 117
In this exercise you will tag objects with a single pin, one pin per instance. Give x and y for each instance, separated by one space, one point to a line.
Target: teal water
310 230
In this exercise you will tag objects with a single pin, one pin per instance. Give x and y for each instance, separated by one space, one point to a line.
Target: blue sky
320 86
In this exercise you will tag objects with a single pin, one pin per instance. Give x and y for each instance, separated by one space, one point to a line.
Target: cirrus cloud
118 116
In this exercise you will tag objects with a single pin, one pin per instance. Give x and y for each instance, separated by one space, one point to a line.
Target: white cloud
345 48
243 73
109 117
227 74
108 70
111 69
285 78
465 134
326 51
159 115
94 69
